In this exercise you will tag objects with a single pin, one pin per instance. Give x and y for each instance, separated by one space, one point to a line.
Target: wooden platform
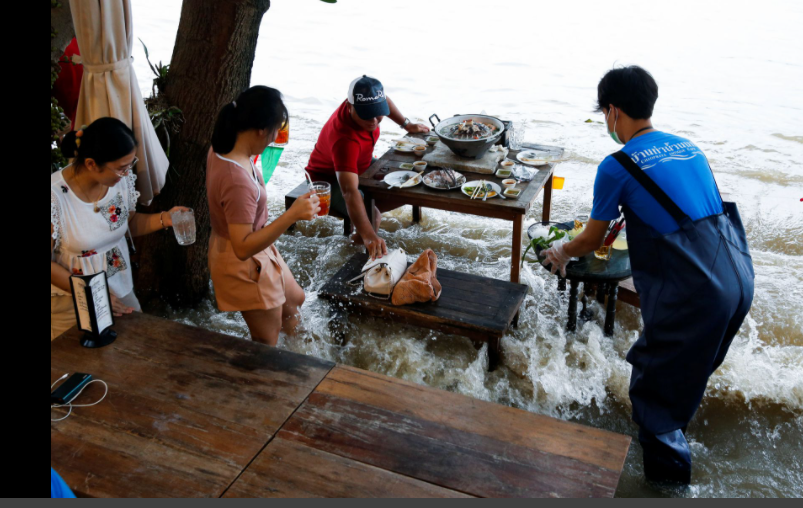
192 413
479 308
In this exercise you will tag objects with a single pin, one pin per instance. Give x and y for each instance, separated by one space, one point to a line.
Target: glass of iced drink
283 138
324 192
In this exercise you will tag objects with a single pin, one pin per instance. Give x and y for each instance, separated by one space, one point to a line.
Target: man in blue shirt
691 266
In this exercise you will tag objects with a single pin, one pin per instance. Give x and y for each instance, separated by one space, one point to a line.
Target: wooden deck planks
291 470
187 409
459 443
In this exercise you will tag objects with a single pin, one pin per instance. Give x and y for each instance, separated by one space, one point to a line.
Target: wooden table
476 307
603 277
512 209
192 413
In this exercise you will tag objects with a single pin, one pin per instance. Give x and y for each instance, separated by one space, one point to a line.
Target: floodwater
731 79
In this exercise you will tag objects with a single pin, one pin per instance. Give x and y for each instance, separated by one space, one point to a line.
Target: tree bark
211 66
61 23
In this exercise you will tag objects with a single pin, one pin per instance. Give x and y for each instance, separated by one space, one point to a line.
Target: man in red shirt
345 150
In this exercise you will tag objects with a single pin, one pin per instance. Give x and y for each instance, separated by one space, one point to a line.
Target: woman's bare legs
264 325
291 310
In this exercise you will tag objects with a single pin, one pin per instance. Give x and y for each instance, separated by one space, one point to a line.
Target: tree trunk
61 23
211 65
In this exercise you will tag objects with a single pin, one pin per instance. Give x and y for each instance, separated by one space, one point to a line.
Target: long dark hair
106 140
259 107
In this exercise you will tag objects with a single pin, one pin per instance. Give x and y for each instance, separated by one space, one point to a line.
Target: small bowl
420 166
508 165
509 184
420 151
504 173
513 193
433 140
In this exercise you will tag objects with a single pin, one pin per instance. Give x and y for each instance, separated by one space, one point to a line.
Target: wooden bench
479 308
302 189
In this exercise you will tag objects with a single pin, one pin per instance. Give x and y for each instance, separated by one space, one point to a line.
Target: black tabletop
591 269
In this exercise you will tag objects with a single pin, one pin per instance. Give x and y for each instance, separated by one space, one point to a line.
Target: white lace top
87 242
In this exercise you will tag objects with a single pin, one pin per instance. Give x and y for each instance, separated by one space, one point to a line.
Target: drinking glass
184 227
604 253
324 192
283 138
517 139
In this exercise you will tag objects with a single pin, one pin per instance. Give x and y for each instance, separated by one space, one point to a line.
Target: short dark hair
632 89
258 107
106 140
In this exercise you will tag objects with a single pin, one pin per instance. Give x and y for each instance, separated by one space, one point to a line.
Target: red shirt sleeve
237 195
345 155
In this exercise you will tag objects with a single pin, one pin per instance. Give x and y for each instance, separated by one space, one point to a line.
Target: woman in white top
92 207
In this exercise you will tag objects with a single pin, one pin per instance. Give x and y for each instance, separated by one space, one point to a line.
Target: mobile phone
70 389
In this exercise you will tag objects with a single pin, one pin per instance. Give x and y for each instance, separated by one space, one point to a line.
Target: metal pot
474 148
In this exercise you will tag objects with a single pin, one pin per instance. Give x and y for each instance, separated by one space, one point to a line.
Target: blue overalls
696 287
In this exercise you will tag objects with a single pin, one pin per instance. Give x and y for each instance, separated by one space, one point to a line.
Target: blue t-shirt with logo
677 165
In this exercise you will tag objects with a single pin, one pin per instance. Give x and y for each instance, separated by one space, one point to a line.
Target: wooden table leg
494 353
518 236
370 204
547 200
585 314
601 290
416 214
575 289
610 317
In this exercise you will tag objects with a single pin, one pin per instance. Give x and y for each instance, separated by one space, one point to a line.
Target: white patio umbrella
104 29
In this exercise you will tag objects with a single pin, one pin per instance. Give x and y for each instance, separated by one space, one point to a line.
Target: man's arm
350 187
589 240
397 116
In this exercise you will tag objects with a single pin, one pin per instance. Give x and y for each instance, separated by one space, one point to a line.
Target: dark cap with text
367 95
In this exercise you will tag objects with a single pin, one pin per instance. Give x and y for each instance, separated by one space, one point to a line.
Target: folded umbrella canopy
104 29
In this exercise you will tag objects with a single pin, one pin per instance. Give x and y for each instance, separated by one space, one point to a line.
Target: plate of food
444 179
535 158
405 147
481 190
403 179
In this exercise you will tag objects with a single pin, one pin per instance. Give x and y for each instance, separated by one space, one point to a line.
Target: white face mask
613 134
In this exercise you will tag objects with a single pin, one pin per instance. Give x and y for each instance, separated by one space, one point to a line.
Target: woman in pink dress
248 273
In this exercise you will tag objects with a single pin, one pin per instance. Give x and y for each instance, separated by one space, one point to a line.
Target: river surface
731 77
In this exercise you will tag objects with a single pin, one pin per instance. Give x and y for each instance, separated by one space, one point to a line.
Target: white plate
533 159
404 148
397 179
428 181
495 188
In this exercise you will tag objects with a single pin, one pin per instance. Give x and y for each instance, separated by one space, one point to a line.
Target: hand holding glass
184 226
